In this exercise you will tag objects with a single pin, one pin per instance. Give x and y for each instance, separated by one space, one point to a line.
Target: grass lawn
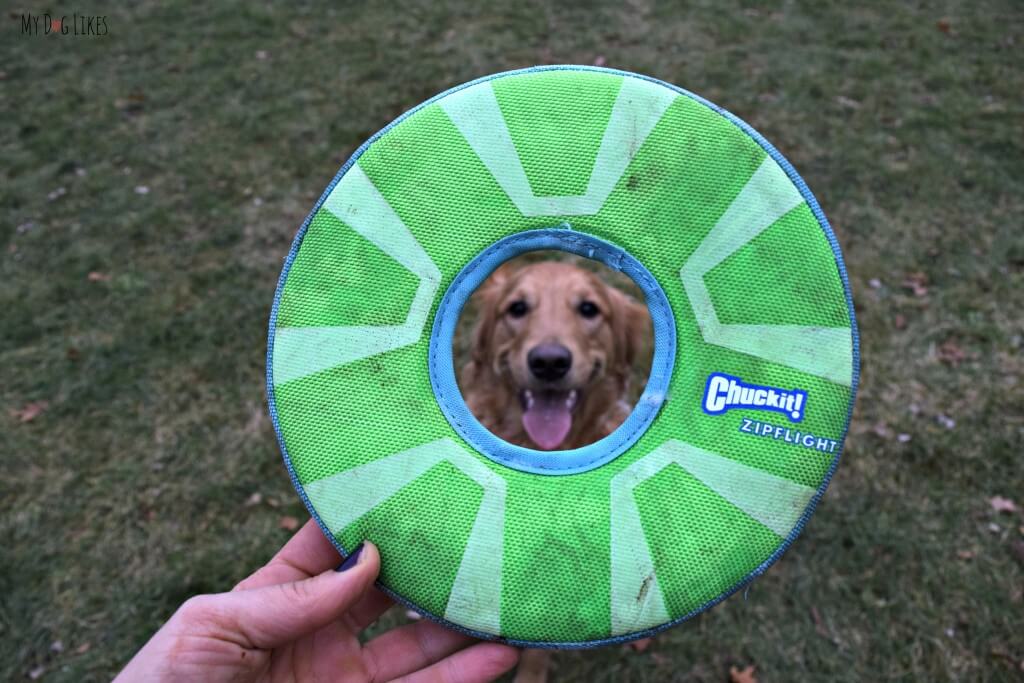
152 180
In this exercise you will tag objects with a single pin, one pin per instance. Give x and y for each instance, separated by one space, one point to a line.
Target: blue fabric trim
442 370
840 264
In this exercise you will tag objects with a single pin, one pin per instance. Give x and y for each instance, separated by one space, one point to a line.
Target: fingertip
371 555
365 556
487 661
506 656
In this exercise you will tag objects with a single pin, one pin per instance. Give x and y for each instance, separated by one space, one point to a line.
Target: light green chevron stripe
821 351
302 351
475 599
638 108
568 134
636 599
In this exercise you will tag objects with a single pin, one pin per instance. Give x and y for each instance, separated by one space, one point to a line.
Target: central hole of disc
553 350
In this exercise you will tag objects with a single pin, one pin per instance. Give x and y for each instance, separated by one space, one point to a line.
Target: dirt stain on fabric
644 587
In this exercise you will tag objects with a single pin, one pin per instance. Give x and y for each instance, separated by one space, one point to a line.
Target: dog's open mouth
547 415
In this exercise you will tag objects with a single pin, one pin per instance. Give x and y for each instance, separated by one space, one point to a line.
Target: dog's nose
549 361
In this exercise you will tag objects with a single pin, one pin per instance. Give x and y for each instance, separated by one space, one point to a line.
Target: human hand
297 619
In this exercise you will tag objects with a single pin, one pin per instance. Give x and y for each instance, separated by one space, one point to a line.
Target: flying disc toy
732 442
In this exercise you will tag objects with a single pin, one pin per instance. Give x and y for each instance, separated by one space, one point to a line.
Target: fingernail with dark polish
352 559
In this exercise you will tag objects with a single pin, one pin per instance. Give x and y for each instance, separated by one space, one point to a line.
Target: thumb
273 615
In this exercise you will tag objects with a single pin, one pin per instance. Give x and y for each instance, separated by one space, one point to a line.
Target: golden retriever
552 355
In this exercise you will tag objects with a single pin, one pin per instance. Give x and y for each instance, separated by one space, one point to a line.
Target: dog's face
552 333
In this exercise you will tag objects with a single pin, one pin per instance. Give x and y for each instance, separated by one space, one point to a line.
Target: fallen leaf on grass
132 103
255 423
640 645
847 102
1017 547
944 26
30 411
288 522
899 322
254 499
744 675
1000 504
83 648
917 283
965 554
97 276
951 353
882 430
819 625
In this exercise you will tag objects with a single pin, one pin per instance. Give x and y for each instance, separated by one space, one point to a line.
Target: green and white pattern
695 505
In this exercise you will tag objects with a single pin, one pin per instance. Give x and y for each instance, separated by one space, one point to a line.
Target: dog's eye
588 309
518 308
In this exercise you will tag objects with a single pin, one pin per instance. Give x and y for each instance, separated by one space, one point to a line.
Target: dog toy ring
733 440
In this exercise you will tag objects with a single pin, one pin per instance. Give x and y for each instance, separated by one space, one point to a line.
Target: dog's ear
631 325
485 301
477 379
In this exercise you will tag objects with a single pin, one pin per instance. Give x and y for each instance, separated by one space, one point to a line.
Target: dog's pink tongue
548 420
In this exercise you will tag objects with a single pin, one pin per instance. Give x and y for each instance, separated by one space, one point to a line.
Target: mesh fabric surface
718 506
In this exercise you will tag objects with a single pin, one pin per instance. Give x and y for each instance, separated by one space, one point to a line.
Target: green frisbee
732 442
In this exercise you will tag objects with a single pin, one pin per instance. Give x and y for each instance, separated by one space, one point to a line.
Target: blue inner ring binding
442 369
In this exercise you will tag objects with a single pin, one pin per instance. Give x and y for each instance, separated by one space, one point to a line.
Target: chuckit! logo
725 392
